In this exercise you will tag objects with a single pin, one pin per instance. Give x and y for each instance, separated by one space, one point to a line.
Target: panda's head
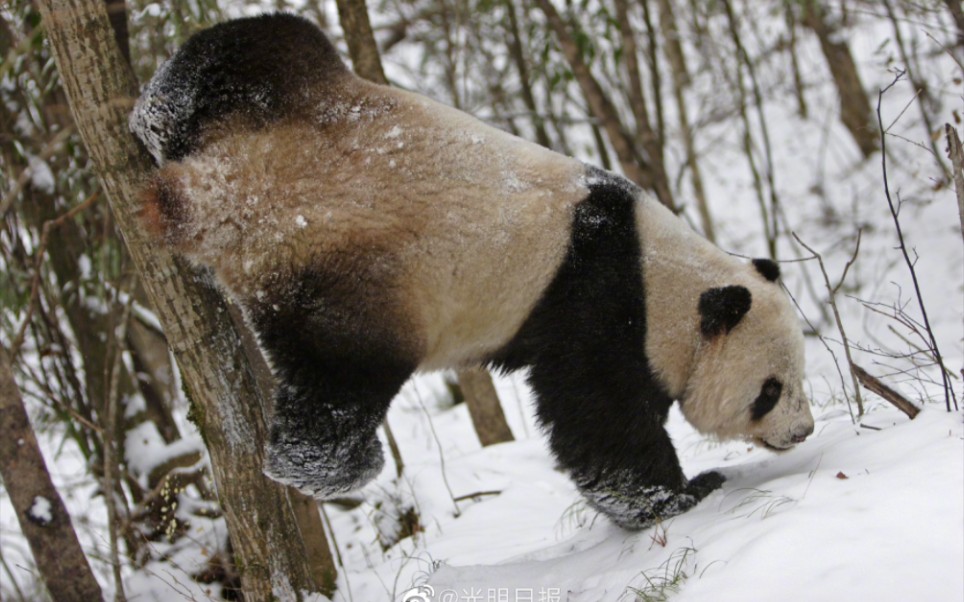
747 378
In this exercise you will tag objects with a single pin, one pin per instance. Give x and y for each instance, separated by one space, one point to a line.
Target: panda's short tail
164 208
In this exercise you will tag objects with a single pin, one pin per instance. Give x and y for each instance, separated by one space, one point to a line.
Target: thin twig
113 367
831 291
52 148
948 390
829 349
469 496
48 226
441 452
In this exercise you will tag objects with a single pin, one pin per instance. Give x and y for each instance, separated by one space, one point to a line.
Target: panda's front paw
322 471
705 483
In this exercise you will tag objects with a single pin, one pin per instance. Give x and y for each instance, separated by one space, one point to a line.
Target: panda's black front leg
597 395
635 500
335 380
612 442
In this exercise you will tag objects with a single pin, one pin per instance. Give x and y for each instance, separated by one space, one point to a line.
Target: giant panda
368 233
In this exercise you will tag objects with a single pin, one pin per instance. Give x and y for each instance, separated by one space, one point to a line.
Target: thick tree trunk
40 510
265 533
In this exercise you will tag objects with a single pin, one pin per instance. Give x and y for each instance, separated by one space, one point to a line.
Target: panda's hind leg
339 361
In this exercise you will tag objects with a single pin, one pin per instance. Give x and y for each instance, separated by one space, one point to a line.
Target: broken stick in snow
874 385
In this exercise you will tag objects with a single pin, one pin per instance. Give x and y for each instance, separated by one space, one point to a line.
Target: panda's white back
470 222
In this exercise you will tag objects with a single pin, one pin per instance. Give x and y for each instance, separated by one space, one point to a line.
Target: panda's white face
748 382
744 381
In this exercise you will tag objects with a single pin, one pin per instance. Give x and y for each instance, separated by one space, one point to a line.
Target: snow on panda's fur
369 232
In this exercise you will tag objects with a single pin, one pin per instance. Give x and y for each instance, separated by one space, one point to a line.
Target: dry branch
832 300
874 385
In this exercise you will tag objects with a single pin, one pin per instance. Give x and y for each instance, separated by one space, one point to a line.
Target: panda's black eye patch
767 399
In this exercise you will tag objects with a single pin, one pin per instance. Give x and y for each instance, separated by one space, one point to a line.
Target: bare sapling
949 395
832 301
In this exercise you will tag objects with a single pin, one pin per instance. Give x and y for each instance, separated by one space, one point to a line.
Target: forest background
821 134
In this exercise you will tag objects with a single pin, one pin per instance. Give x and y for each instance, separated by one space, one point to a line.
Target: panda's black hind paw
322 471
705 483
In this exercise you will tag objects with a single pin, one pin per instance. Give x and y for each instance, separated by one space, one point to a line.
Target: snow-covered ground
857 512
865 510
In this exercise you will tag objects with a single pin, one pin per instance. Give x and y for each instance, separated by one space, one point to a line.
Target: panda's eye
767 399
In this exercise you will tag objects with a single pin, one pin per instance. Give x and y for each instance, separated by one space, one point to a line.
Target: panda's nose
801 432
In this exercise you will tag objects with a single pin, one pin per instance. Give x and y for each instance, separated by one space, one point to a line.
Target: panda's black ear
722 308
768 268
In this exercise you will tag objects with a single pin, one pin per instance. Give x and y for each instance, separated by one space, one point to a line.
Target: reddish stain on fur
163 208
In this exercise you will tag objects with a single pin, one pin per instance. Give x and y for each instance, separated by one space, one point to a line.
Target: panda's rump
457 226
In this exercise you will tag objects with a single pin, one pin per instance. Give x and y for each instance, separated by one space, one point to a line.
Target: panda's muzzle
798 434
801 432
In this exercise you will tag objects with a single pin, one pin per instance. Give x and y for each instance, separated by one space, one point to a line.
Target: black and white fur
369 232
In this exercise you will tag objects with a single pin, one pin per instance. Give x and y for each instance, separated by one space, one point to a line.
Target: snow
40 511
41 176
852 513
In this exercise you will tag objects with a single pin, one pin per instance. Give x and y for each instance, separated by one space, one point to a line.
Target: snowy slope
853 513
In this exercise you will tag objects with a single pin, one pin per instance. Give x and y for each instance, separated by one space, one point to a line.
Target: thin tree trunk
481 393
601 107
922 94
855 110
655 76
769 215
518 57
957 13
791 21
484 407
40 510
361 41
678 71
648 137
956 154
226 403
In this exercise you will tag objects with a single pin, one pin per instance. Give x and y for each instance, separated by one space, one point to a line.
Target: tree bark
957 14
645 133
635 167
229 411
484 407
361 41
955 153
40 510
855 111
514 42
